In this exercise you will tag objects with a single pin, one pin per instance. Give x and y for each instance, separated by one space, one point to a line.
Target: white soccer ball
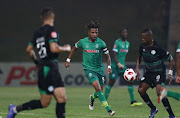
129 75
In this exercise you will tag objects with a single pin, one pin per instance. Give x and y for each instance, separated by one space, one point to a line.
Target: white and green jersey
122 49
92 53
178 50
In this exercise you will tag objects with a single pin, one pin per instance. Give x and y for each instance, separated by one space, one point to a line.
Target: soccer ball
129 75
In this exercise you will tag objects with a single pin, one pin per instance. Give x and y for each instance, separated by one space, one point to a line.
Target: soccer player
50 83
120 49
178 64
153 55
92 63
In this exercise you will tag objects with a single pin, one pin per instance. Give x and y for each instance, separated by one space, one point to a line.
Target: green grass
78 100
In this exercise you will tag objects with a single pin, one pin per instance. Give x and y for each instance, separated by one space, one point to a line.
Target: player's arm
138 63
55 48
32 54
116 59
170 73
177 67
106 52
69 57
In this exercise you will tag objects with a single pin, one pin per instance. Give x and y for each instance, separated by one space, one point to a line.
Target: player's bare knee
62 99
141 91
45 104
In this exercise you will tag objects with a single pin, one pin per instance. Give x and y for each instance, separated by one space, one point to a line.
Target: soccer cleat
172 116
153 112
91 103
11 113
163 94
135 103
111 113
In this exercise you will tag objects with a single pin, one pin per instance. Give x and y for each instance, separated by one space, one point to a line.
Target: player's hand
170 78
67 47
178 79
109 70
67 65
120 66
137 74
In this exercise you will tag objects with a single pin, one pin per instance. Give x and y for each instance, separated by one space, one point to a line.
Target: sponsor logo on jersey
92 51
153 52
124 50
97 45
53 34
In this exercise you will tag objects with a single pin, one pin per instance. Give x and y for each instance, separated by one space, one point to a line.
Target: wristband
170 72
109 67
68 60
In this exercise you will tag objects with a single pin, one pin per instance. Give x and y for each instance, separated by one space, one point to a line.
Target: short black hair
146 31
122 28
93 24
46 13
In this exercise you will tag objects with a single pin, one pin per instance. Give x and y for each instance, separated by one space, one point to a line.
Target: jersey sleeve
78 44
115 47
53 36
178 50
104 48
165 54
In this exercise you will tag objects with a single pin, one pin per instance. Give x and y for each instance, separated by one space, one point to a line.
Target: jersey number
42 50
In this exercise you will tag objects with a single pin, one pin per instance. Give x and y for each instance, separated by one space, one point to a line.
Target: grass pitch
78 101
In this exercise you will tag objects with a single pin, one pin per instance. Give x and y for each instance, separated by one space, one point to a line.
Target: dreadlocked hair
93 24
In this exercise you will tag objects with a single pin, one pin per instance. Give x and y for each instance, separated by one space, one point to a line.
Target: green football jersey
178 50
122 49
92 53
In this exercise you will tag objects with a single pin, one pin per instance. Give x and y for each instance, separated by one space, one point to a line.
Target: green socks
94 96
174 95
131 92
107 91
103 100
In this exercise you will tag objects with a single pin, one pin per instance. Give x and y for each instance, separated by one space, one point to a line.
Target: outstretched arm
55 48
69 57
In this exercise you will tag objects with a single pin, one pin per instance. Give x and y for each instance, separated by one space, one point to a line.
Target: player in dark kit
50 83
153 56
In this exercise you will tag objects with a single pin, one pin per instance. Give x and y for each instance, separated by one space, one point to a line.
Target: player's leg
33 104
112 79
165 101
60 96
101 97
168 93
108 87
143 87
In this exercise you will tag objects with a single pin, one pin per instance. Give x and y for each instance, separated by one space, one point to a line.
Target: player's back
41 40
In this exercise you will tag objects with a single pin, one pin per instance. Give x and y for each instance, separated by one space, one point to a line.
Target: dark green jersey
178 50
154 57
122 49
92 53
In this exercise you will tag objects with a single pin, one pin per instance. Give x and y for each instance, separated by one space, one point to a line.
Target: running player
50 83
120 49
92 63
178 64
153 56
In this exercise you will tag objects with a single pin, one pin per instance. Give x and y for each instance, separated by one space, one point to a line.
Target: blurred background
20 18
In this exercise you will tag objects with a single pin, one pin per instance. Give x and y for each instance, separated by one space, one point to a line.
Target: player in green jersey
120 51
92 63
178 64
